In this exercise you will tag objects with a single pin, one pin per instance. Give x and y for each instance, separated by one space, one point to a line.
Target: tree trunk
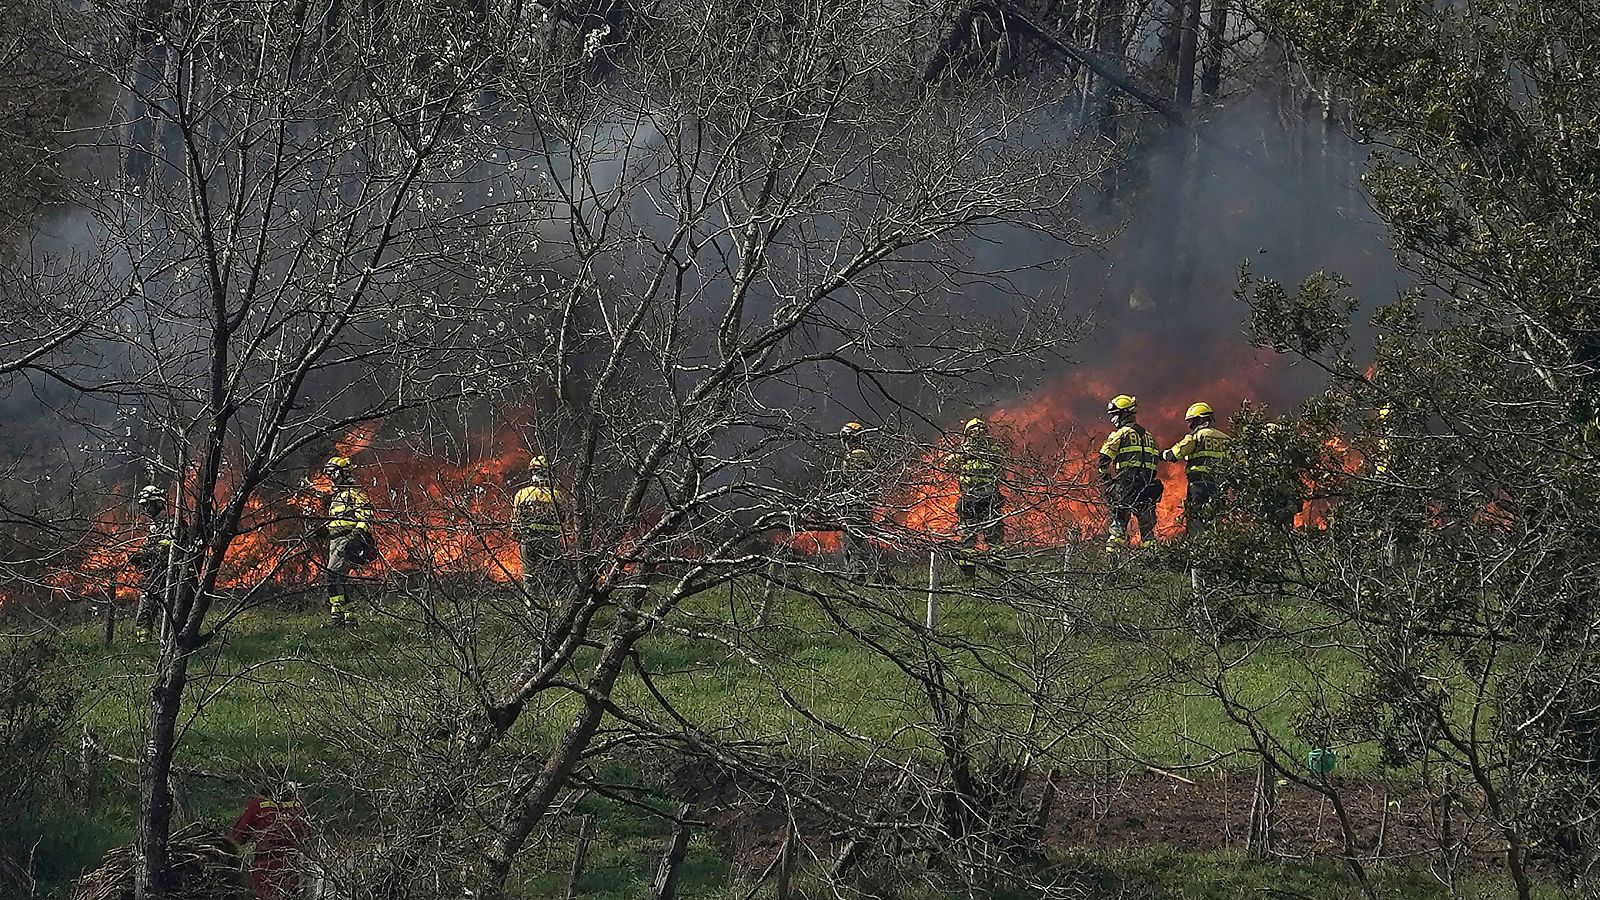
110 612
665 885
1216 45
786 864
1262 811
525 810
580 854
1188 48
155 787
1175 272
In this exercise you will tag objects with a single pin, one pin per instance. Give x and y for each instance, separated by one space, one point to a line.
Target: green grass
279 688
259 678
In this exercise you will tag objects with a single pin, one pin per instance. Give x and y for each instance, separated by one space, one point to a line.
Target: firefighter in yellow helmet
537 521
350 540
153 558
979 466
854 480
1128 467
1202 452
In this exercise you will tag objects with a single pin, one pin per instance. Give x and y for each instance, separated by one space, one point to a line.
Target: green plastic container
1321 760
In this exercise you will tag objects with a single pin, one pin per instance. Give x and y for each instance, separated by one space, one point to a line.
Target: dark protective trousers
1133 499
979 513
1200 506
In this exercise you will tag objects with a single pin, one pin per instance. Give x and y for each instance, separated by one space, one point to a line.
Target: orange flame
1336 453
1053 494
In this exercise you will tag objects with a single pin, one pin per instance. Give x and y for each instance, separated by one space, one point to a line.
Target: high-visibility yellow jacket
157 544
979 465
1201 451
349 508
1129 454
536 509
853 470
855 460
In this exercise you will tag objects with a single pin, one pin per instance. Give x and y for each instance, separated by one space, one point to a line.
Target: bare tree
288 265
758 223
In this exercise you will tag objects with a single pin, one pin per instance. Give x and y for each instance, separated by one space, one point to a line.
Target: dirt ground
1213 813
1143 809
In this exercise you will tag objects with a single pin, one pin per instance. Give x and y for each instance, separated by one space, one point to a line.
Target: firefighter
979 466
854 480
151 561
274 821
1202 452
1394 472
1284 494
350 541
1128 467
536 522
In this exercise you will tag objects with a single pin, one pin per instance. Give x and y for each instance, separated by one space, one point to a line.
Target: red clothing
276 827
275 876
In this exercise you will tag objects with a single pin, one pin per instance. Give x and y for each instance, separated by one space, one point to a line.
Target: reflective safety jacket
979 465
1201 451
157 547
854 475
271 824
349 508
536 509
855 460
1129 454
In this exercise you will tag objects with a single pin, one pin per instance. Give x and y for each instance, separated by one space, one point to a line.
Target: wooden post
764 614
1383 826
665 885
932 620
109 611
580 854
1068 619
89 769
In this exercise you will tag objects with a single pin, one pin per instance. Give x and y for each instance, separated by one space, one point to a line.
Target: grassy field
279 688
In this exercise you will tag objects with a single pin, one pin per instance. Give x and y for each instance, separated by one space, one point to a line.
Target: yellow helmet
339 463
1123 403
538 463
1198 410
975 425
851 428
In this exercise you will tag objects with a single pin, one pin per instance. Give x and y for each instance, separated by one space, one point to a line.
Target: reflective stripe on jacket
855 459
1202 453
1130 451
535 509
157 545
977 464
272 825
349 508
